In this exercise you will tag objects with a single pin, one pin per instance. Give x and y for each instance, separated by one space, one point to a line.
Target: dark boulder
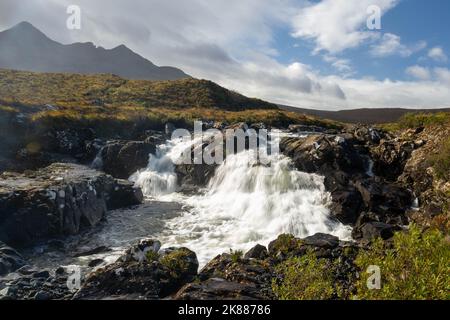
10 260
371 230
142 273
257 252
322 240
123 158
390 157
346 205
323 154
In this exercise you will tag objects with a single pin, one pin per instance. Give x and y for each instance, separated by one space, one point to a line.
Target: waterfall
245 203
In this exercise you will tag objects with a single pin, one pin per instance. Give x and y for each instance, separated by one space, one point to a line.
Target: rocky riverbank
373 179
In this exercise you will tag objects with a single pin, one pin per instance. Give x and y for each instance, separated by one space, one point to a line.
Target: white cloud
336 25
419 72
390 44
437 54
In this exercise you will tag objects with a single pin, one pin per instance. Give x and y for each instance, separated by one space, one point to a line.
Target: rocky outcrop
143 272
58 200
344 159
123 158
10 260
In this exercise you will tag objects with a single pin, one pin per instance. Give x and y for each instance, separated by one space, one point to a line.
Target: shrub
305 278
441 161
415 267
236 255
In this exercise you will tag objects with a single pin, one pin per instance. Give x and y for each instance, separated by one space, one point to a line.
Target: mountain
364 116
24 47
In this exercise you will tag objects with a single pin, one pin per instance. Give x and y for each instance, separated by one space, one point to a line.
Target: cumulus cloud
336 25
437 54
390 44
418 72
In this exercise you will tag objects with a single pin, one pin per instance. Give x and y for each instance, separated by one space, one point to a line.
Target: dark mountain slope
24 47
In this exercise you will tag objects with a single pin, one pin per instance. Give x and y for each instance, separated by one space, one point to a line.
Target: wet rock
10 260
299 128
96 262
41 274
58 200
124 194
219 289
390 157
123 158
142 272
42 295
371 230
322 154
93 251
257 252
346 205
322 240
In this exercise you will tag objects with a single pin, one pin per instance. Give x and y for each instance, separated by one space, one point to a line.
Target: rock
41 274
322 154
284 246
372 230
322 241
96 262
299 128
346 205
58 200
257 252
142 273
390 157
123 158
219 289
227 278
42 295
124 194
93 251
10 260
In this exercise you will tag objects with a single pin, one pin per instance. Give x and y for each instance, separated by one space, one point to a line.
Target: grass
112 105
441 161
416 120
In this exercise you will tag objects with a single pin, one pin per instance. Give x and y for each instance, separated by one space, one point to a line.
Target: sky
303 53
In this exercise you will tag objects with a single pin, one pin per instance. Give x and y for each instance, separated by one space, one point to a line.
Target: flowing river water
244 204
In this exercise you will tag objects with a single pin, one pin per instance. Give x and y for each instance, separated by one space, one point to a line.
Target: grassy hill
108 102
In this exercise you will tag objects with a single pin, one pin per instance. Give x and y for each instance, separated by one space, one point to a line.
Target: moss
177 262
415 267
152 256
286 244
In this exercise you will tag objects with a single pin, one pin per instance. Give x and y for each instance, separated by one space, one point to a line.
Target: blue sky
413 20
306 53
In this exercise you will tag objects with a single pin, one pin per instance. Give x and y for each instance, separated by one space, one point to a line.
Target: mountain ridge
26 48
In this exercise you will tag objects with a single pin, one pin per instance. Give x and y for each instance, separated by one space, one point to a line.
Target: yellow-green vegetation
420 119
415 267
286 243
441 161
236 255
177 262
305 278
152 256
109 103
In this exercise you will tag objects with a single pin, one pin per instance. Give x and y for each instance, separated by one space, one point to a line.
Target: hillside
364 116
24 47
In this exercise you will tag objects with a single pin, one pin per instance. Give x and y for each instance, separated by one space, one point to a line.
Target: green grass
441 161
416 267
415 120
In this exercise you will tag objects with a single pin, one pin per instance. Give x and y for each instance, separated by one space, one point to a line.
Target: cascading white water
245 203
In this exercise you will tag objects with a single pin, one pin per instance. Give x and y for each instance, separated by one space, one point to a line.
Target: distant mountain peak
24 47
